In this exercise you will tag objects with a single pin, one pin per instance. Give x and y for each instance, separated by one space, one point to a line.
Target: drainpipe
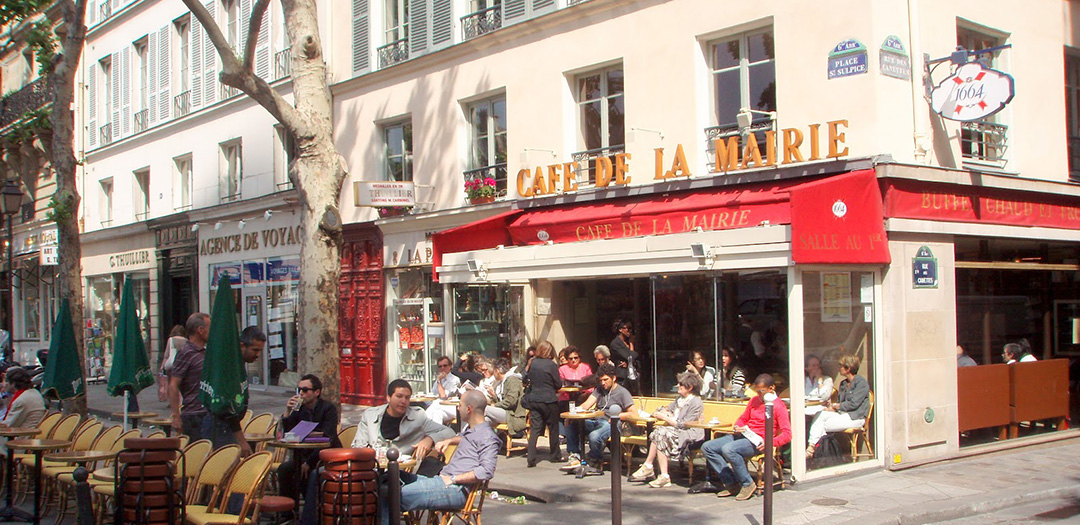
923 141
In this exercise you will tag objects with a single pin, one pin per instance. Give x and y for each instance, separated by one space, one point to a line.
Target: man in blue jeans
612 399
727 455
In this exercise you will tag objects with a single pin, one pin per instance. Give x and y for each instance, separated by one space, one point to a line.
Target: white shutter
125 93
419 32
210 84
91 12
513 11
262 47
151 81
540 7
164 96
361 54
91 110
442 24
242 28
116 71
195 62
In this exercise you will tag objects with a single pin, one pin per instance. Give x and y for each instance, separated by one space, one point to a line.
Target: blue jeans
421 492
598 431
217 431
727 457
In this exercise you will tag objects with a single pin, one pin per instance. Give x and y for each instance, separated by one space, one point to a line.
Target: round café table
37 447
255 438
106 474
135 417
712 427
10 512
296 447
578 420
420 400
163 422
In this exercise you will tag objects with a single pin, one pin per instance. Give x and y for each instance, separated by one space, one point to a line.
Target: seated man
446 384
612 399
473 462
504 398
306 405
444 414
727 455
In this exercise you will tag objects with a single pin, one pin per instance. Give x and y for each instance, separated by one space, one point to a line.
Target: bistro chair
215 470
158 434
863 432
247 417
469 513
778 467
246 479
61 476
260 424
48 423
347 435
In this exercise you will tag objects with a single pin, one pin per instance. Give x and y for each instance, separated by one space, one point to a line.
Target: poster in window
1066 328
836 297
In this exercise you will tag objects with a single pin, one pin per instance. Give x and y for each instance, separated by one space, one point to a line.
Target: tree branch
258 11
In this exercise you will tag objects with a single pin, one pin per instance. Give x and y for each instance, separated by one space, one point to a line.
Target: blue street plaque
924 269
847 58
893 59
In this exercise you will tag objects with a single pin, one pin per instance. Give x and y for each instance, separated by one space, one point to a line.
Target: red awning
839 220
912 199
479 235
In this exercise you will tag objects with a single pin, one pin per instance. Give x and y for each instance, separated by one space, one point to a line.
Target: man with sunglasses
446 383
306 405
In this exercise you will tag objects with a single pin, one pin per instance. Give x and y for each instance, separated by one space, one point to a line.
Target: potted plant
480 191
393 211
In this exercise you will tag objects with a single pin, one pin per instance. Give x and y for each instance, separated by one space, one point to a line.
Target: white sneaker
663 481
572 464
642 473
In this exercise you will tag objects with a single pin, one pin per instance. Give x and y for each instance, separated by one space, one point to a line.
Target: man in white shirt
446 384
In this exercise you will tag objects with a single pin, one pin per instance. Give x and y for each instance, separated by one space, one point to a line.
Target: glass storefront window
684 322
419 328
102 309
489 321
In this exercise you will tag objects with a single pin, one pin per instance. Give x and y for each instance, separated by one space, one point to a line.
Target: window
182 102
601 116
487 139
107 131
182 183
230 171
142 194
397 20
142 104
486 17
985 139
1072 112
284 153
232 23
398 143
106 202
744 75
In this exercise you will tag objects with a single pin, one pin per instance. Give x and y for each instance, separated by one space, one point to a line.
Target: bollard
84 505
393 478
616 473
770 459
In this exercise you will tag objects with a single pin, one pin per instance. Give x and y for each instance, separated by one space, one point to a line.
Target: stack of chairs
148 490
350 489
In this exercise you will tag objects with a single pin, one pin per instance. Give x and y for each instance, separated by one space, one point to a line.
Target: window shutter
151 81
164 98
540 7
91 110
262 47
195 43
361 54
223 173
419 18
125 93
91 12
513 11
210 85
442 24
242 27
116 71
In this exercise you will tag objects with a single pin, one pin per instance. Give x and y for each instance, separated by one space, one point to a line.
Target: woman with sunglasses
306 405
573 372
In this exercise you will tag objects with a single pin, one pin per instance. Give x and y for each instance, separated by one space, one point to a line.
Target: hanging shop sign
33 241
787 146
384 194
847 58
50 256
924 269
921 200
972 92
893 59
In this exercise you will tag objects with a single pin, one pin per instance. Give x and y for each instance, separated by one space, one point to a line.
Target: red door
363 364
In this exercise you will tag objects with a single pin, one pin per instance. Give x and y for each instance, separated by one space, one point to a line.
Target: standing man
613 399
187 412
223 431
306 405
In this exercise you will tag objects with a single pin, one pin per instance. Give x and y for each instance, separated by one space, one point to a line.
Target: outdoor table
296 447
710 427
37 447
135 417
405 464
10 512
454 402
163 422
569 390
420 400
108 475
80 457
578 420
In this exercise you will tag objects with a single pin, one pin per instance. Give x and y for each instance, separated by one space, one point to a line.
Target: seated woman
573 371
734 378
818 386
697 365
27 407
672 441
849 412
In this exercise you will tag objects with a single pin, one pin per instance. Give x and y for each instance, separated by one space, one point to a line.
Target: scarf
12 402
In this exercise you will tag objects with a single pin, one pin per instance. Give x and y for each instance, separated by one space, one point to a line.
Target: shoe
593 470
704 487
572 464
643 473
662 481
810 450
558 459
746 493
728 491
530 463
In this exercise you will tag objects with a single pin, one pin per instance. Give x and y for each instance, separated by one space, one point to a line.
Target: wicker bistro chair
778 468
863 432
85 439
260 424
247 417
212 475
347 435
48 423
60 478
469 513
191 461
105 491
159 434
247 479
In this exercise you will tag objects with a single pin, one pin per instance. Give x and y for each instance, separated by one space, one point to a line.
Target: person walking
542 400
185 375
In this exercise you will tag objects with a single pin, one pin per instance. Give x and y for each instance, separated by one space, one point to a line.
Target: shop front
104 275
35 294
177 256
262 261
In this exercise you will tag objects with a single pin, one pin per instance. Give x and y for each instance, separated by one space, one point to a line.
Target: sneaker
593 470
643 473
746 493
703 487
662 481
572 464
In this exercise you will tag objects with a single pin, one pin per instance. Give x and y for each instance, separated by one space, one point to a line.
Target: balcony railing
575 2
105 134
105 12
481 22
984 141
228 91
142 120
496 171
182 104
393 53
141 215
586 163
282 64
758 127
28 98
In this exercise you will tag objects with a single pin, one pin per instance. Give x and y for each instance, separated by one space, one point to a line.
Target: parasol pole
127 393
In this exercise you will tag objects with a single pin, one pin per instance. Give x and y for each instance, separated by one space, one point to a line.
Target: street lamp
10 200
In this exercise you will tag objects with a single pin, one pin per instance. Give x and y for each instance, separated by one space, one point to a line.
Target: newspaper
753 437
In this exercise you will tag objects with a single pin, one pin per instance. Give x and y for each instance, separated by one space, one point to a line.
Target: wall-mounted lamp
217 226
195 227
240 225
745 117
268 214
702 253
477 268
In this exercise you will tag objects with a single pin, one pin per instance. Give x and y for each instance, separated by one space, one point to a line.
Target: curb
938 511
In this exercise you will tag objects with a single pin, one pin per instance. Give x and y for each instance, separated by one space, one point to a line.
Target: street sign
924 269
50 256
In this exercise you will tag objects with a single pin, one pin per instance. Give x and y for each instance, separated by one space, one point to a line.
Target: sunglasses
303 389
574 358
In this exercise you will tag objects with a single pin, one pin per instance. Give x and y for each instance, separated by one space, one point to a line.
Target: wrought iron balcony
105 134
495 171
575 2
586 162
984 141
142 120
182 104
141 215
282 64
393 53
32 96
758 127
228 91
481 22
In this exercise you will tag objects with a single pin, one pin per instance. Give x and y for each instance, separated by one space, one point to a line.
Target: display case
420 334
